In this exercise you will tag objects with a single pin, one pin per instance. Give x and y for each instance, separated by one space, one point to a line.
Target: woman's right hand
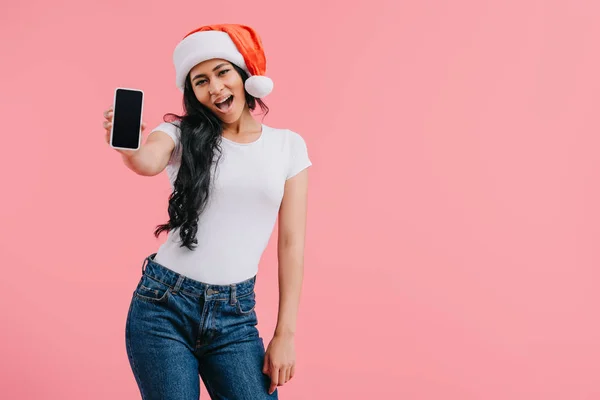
108 115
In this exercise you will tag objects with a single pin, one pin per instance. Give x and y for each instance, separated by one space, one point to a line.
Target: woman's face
218 86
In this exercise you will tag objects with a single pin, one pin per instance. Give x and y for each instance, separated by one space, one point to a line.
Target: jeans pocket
245 304
151 290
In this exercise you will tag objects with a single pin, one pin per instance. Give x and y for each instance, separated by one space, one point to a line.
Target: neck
246 123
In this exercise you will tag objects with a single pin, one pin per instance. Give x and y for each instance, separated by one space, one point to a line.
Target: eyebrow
214 69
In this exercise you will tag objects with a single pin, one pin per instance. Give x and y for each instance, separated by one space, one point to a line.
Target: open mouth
225 105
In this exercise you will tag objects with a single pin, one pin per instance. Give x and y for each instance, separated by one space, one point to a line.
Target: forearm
291 272
142 162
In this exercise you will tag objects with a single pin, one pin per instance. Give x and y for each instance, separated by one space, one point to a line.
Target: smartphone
126 132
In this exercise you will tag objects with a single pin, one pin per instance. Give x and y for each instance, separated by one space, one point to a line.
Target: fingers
272 372
265 368
274 380
279 377
108 114
282 376
107 124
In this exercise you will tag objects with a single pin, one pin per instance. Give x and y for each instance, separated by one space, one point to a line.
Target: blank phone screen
127 118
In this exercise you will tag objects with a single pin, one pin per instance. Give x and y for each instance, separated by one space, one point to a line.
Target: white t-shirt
239 217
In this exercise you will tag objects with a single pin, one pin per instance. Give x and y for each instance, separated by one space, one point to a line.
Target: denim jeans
179 330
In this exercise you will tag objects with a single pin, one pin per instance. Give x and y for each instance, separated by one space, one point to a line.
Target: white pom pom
259 86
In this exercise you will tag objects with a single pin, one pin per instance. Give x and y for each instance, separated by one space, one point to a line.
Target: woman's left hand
280 360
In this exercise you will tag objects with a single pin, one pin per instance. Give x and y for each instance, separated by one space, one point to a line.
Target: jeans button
210 292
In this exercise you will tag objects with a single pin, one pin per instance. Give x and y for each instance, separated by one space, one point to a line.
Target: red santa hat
238 44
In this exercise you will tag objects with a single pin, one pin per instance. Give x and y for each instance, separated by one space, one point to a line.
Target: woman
192 312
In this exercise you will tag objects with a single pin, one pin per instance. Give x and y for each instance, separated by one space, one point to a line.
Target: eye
200 81
223 71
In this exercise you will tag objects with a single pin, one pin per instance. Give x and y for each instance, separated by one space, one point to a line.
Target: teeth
223 101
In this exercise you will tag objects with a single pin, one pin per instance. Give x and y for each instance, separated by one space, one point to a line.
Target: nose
215 87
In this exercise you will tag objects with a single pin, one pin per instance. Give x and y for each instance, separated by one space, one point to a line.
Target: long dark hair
200 144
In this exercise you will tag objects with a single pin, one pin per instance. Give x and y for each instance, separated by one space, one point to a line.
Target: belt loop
144 265
232 296
178 284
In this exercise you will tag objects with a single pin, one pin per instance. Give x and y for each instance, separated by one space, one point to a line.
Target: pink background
452 246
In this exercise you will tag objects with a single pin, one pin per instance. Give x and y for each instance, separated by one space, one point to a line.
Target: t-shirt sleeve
171 129
299 159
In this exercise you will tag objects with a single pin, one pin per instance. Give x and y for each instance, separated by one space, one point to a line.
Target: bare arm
280 357
153 156
290 246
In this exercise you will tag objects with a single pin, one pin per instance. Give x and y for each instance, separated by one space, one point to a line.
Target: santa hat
237 44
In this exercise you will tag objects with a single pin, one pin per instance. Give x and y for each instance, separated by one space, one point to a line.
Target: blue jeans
179 330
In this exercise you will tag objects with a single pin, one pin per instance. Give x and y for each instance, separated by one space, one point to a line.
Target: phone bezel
115 112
